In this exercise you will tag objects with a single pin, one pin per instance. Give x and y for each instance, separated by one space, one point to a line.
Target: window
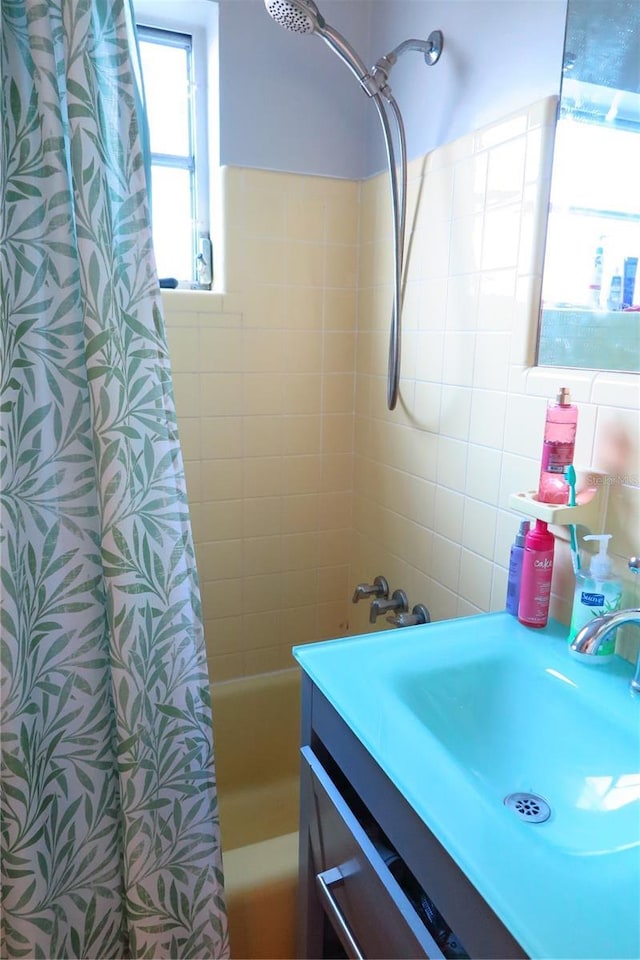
173 58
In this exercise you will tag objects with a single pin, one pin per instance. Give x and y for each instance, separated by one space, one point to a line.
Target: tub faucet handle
398 603
379 588
419 614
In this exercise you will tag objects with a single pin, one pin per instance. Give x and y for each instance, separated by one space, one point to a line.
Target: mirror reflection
590 313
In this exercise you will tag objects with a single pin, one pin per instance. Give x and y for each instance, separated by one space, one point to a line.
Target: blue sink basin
462 714
518 725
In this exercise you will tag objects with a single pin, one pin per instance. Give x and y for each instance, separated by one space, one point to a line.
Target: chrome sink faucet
589 640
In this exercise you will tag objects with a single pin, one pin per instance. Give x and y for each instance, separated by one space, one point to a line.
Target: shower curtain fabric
110 832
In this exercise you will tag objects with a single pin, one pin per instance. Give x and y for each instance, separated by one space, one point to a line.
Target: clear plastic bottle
537 569
597 593
557 449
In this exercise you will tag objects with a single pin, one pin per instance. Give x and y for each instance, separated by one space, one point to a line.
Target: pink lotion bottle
557 449
537 568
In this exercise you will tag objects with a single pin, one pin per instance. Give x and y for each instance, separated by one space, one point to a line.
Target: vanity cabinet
374 881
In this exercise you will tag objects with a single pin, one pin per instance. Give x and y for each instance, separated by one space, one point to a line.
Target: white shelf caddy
592 494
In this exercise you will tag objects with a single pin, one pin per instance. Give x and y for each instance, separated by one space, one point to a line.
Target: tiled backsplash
301 483
433 478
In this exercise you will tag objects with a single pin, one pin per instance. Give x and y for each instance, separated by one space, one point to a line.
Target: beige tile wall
433 478
301 483
264 380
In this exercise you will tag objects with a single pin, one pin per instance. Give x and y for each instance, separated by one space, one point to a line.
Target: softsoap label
592 599
589 604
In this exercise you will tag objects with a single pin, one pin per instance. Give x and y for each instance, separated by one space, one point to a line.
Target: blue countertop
461 713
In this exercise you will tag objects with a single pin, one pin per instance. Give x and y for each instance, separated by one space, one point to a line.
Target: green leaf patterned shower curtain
110 835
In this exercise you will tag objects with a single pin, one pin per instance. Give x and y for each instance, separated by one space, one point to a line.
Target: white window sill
212 302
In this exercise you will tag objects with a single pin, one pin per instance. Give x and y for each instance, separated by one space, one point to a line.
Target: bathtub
256 729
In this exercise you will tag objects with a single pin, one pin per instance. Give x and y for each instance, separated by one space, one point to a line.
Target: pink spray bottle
537 568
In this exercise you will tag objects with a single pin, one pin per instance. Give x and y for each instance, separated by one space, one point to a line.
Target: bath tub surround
256 724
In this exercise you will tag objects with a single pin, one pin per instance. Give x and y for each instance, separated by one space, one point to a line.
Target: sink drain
529 807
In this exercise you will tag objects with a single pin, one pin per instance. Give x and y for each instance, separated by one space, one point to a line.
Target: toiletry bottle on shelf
629 280
614 300
537 569
597 592
515 569
557 449
595 287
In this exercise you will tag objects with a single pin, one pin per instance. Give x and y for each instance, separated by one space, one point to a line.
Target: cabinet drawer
367 907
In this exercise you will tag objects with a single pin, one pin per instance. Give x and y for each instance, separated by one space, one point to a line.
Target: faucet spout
589 640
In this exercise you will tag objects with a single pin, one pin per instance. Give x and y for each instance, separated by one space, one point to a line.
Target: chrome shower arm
431 48
374 81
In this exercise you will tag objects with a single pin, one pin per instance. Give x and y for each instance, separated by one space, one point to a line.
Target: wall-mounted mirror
590 312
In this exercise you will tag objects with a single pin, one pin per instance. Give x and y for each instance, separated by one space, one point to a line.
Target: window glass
173 233
167 62
168 96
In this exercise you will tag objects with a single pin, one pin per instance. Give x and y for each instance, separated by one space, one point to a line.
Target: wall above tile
287 103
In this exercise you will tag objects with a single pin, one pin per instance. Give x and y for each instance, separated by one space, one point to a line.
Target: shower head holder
377 80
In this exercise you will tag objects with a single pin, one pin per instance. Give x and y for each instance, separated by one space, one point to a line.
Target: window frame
193 20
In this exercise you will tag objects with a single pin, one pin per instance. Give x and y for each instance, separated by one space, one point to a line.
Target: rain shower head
298 16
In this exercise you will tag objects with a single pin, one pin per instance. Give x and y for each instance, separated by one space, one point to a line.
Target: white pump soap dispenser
598 592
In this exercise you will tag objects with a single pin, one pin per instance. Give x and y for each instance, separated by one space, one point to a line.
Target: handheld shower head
303 17
298 16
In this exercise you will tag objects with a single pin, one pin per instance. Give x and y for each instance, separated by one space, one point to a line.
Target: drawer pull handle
325 881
